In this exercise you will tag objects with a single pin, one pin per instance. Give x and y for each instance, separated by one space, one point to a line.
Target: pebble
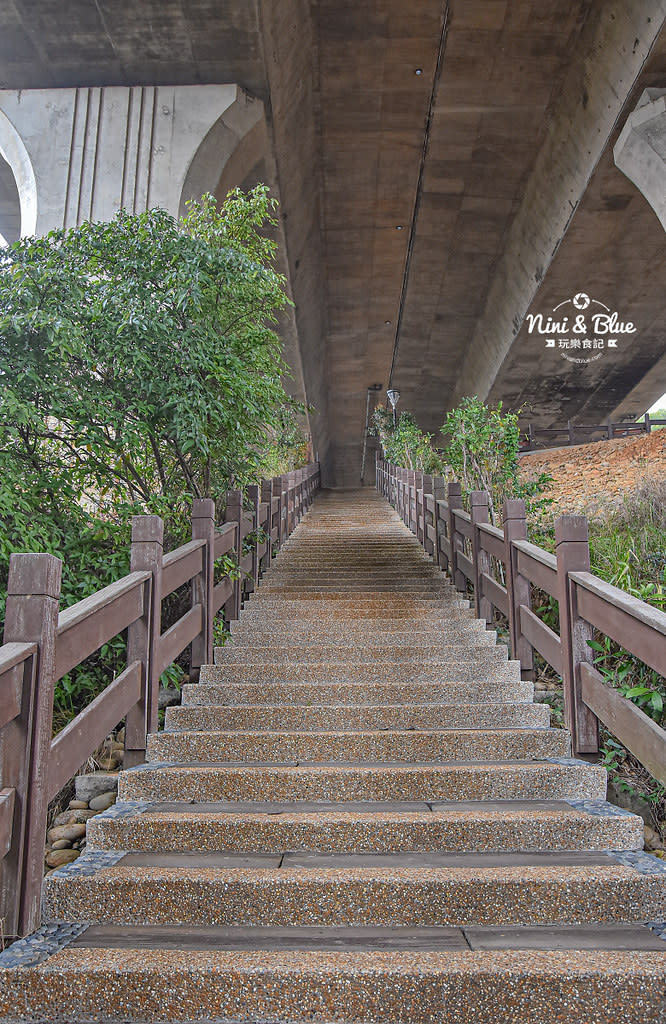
69 832
74 817
56 858
61 844
78 805
103 801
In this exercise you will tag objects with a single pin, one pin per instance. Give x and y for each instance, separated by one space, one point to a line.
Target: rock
69 832
73 817
103 801
120 736
92 785
56 858
168 695
61 844
630 802
107 764
78 805
652 839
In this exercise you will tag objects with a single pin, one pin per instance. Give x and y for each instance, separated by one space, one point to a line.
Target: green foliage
483 445
622 670
139 368
404 443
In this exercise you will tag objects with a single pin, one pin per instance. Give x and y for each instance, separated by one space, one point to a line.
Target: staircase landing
359 814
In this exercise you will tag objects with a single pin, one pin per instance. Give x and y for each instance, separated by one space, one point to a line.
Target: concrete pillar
84 153
640 151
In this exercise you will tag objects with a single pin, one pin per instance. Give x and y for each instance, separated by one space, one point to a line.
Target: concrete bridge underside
444 170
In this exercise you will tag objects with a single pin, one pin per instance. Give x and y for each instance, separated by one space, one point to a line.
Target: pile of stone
66 839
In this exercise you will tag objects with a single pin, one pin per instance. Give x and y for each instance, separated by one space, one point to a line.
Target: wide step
189 985
413 826
397 889
382 745
383 781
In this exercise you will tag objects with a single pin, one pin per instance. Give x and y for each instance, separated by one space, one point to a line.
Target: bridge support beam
640 151
83 154
612 51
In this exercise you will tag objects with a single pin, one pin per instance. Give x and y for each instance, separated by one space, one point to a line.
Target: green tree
483 445
139 367
404 443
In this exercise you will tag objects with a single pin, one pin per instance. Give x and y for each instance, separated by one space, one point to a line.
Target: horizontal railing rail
43 644
500 567
581 433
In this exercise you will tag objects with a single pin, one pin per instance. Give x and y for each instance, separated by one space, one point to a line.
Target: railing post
573 555
481 559
234 514
143 636
428 491
255 497
439 492
203 528
277 493
455 538
419 509
517 586
267 496
33 598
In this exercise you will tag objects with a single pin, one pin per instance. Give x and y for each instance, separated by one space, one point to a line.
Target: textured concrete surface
364 782
386 987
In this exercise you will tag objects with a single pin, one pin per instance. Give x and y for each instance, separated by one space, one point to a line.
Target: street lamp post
393 396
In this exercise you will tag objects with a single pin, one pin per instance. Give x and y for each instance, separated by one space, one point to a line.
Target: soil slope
587 477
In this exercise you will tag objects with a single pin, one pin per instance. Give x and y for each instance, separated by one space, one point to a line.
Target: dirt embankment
587 477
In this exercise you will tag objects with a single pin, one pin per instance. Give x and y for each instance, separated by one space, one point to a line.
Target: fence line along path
358 814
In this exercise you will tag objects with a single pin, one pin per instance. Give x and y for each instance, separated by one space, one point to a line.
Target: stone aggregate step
257 642
354 631
313 889
491 780
327 716
353 828
404 745
214 689
428 650
375 614
336 987
473 670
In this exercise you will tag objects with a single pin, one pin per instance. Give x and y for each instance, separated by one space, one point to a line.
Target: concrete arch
16 155
236 142
640 151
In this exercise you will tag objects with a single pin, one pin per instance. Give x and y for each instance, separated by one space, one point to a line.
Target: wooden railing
500 567
42 644
581 433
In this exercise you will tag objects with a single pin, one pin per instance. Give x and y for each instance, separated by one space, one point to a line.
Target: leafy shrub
482 449
139 369
404 443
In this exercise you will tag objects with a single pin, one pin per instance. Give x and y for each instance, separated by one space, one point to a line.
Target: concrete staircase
358 814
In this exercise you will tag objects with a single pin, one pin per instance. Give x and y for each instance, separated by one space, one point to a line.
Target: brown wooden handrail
585 602
42 644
